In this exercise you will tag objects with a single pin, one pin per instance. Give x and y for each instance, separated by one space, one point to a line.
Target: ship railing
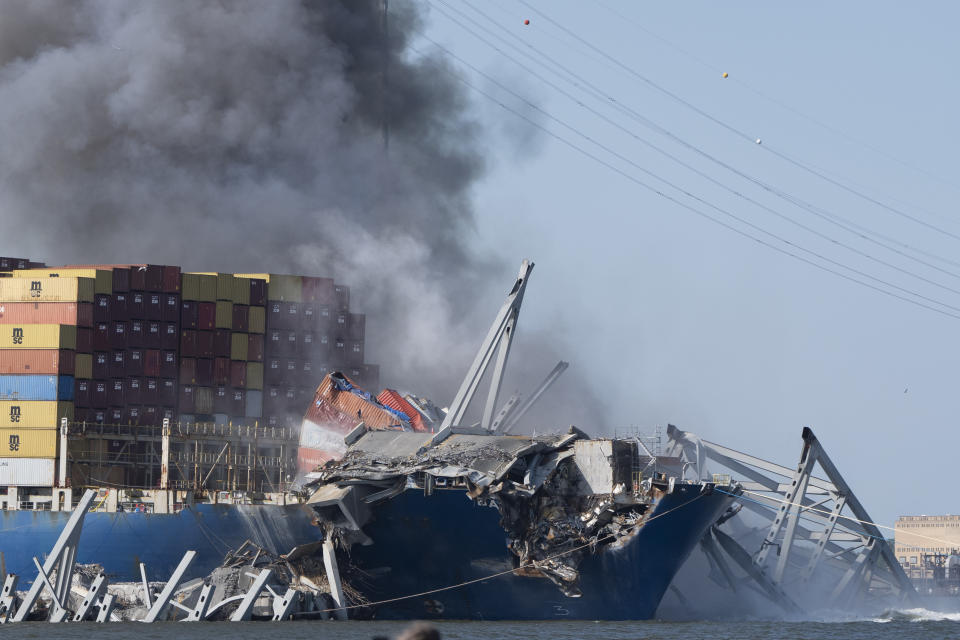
238 460
186 429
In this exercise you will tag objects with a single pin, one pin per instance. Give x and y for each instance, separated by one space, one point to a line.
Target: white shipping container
26 472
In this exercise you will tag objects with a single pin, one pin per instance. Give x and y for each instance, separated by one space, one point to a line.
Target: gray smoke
250 136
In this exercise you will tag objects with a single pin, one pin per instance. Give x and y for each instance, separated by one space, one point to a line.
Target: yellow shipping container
102 278
257 320
225 284
241 290
38 336
224 317
33 414
280 287
83 366
44 289
29 443
239 344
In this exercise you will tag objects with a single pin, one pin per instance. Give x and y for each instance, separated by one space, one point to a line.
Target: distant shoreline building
923 543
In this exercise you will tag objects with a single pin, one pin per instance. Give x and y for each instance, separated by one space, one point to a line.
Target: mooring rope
509 571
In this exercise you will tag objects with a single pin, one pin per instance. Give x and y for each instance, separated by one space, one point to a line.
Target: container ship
96 359
193 402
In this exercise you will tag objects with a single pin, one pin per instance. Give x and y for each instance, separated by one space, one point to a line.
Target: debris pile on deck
560 496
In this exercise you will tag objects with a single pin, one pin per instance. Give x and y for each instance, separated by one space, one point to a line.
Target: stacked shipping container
132 344
45 323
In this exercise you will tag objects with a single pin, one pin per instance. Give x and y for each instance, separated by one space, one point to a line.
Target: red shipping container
101 365
99 398
136 336
84 340
255 347
154 278
72 313
151 363
188 371
221 399
187 398
134 362
258 292
171 308
317 290
81 394
188 343
37 361
275 316
150 391
154 306
221 343
101 307
153 338
168 392
131 392
238 374
150 416
136 305
205 372
392 399
205 344
189 314
101 336
120 306
238 398
241 314
170 336
221 372
117 364
206 315
168 364
115 391
171 279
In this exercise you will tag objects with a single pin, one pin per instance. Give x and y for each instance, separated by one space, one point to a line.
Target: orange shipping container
37 361
350 405
76 313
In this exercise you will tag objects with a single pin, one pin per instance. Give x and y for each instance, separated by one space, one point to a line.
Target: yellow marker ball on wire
725 74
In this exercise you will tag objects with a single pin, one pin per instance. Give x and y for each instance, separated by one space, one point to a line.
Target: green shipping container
257 320
239 344
83 366
241 290
285 288
199 287
224 318
255 375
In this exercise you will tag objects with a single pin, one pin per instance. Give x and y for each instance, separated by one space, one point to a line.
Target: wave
918 614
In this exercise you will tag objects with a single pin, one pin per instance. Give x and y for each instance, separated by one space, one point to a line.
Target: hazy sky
687 322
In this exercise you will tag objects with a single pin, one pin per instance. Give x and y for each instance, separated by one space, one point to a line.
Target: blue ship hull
120 541
428 542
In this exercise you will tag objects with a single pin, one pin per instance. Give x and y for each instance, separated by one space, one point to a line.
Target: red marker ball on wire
526 22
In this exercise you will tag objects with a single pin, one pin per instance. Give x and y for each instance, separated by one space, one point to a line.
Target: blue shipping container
254 404
36 387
